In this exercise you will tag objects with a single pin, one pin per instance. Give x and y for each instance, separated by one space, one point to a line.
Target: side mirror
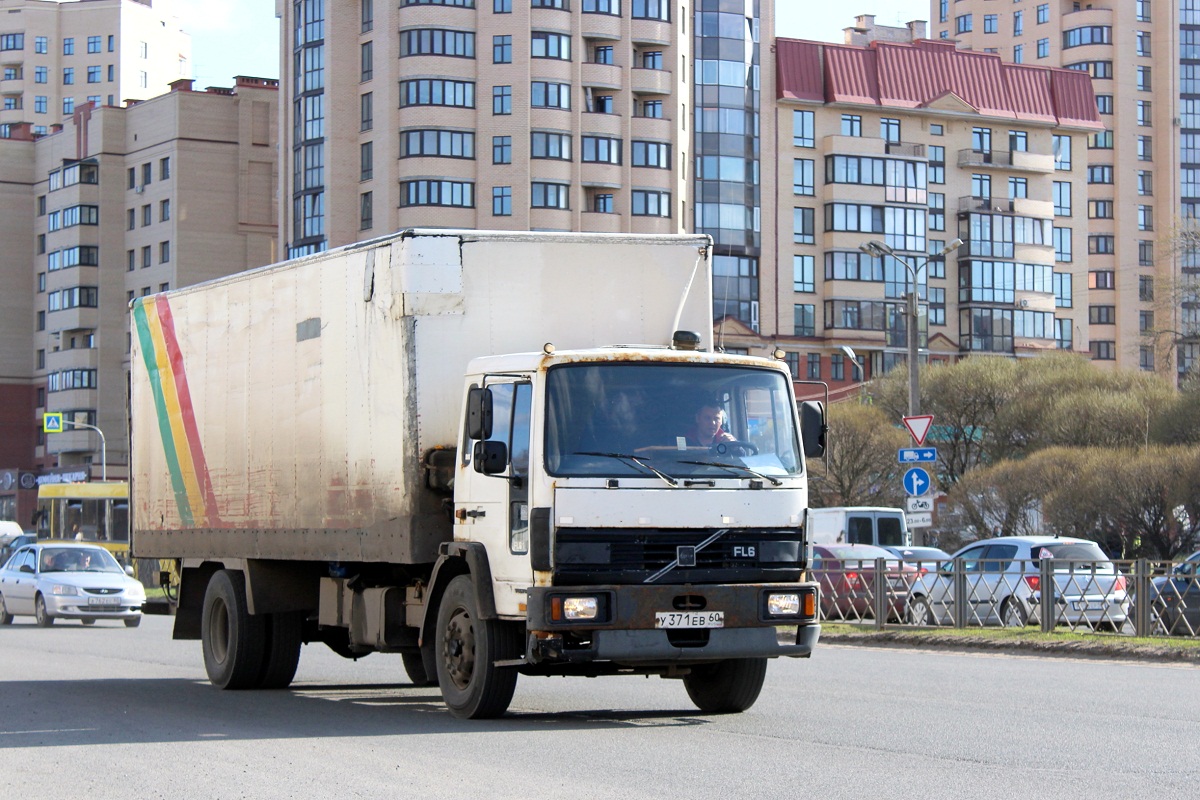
813 428
479 413
27 568
129 570
491 458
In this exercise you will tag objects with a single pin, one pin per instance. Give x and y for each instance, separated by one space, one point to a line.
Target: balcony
1020 206
651 31
658 128
1015 160
604 76
652 81
905 149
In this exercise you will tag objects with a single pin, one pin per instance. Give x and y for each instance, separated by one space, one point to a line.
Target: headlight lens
580 608
783 605
64 590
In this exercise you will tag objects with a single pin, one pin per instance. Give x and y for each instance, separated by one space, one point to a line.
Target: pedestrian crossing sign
52 422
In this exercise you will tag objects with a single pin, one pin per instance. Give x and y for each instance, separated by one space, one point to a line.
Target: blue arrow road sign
916 455
916 481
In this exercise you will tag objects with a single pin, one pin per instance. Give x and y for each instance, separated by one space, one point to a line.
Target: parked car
925 559
11 543
1002 583
846 573
1175 599
68 581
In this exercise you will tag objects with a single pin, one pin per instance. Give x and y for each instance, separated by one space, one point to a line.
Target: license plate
689 619
104 601
1088 605
897 583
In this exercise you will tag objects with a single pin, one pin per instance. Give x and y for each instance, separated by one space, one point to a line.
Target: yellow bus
90 512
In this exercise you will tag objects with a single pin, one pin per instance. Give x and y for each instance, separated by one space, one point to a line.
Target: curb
1103 650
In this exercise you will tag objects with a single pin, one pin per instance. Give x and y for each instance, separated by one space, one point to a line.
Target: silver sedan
69 581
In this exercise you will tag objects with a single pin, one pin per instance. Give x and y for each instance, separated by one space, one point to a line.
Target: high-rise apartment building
523 114
56 57
1143 57
913 145
120 203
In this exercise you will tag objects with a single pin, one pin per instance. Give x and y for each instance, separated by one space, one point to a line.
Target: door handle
463 513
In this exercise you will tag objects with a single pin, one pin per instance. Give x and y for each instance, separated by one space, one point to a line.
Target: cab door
492 506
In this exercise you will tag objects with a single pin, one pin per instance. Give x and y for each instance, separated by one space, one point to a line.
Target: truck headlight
783 605
575 608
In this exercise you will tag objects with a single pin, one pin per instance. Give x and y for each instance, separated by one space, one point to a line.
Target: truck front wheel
726 687
232 639
467 648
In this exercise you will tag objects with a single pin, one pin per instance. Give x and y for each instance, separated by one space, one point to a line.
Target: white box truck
471 449
877 525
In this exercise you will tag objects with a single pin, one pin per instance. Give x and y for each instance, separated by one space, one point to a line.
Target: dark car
847 573
1175 604
11 544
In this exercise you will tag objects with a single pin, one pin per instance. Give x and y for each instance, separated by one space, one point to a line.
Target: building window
600 149
803 126
1104 104
814 367
164 252
366 161
1101 244
550 45
651 154
851 125
93 75
1145 288
69 46
1145 217
1018 23
1043 13
1145 253
502 150
602 7
432 192
164 210
502 49
1100 209
1144 118
1142 10
652 109
889 130
1062 152
368 16
652 59
1062 244
603 54
501 6
1145 149
549 195
550 145
1102 315
366 211
937 164
550 95
804 319
802 176
1100 173
501 201
41 75
1143 43
1062 290
937 211
437 42
1145 182
68 75
1102 279
366 113
963 24
602 203
1018 54
1018 188
146 259
1143 79
804 226
130 260
147 217
501 100
651 9
651 204
1062 199
1145 321
803 275
436 92
991 23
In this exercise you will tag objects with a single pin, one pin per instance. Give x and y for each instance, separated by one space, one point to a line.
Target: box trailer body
345 446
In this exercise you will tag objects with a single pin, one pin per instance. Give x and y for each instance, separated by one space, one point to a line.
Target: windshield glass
1072 554
683 420
78 559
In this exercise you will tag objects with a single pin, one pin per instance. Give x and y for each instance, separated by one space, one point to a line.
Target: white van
882 527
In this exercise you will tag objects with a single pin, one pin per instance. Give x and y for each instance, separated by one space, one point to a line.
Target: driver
708 427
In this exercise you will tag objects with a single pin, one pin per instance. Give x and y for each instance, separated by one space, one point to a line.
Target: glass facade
307 234
727 104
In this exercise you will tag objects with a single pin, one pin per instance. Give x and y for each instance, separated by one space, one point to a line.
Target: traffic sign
923 519
916 505
916 455
919 427
52 422
916 481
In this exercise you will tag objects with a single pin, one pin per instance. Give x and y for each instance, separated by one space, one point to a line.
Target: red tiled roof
896 75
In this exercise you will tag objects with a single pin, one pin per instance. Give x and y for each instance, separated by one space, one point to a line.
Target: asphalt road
110 712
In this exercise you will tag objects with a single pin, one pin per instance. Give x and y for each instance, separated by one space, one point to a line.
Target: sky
241 37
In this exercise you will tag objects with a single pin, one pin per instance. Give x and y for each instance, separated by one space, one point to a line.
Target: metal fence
1142 597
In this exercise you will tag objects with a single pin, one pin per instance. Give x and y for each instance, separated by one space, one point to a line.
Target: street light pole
103 445
880 249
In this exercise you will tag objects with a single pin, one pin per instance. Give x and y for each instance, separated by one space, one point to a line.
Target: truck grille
584 556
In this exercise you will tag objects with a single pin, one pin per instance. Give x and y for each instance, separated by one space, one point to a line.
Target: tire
726 687
466 648
1012 614
40 614
232 639
918 612
87 621
414 665
282 650
133 622
5 617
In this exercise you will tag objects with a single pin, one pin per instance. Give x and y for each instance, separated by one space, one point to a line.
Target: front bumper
75 607
627 632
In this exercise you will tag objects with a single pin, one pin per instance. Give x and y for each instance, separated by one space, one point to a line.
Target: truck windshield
670 421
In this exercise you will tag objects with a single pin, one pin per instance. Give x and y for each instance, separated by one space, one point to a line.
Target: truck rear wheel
466 648
414 665
282 651
726 687
232 639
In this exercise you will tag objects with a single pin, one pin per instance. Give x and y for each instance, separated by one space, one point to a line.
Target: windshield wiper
670 481
774 481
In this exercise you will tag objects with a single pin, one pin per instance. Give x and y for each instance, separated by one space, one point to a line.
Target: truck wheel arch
458 558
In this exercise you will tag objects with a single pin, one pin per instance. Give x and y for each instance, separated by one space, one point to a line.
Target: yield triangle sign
919 427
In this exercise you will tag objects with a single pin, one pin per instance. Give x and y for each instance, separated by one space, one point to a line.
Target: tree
1007 497
860 466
